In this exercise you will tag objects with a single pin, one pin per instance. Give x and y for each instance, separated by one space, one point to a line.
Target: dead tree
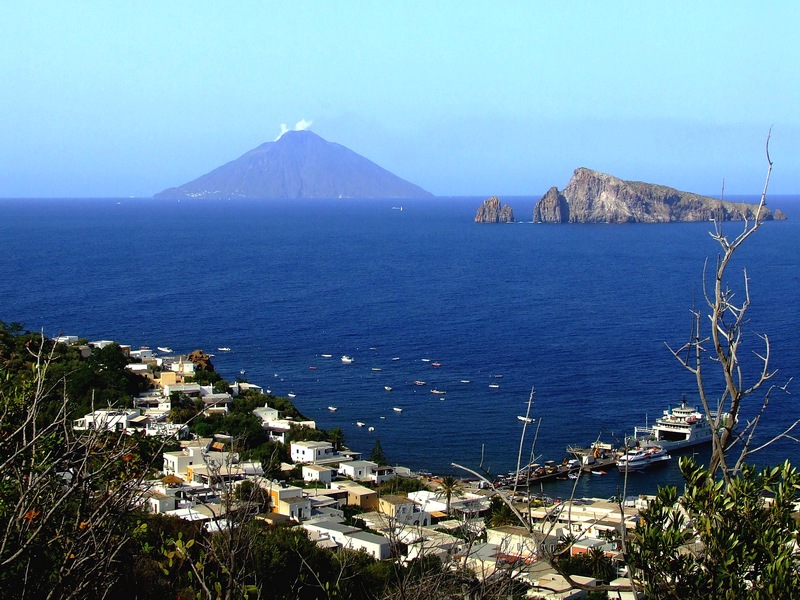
727 321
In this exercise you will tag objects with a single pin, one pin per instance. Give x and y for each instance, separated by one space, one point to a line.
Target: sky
113 99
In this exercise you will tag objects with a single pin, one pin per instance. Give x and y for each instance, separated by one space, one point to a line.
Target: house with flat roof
314 453
357 494
318 473
111 419
353 538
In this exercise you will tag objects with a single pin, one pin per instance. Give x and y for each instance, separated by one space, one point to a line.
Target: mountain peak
299 164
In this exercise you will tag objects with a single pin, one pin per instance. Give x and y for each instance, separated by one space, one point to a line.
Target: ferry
679 427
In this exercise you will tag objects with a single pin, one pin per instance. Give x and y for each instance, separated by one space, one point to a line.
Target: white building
317 473
111 419
314 452
349 537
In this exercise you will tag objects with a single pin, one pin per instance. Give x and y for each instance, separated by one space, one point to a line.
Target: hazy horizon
110 100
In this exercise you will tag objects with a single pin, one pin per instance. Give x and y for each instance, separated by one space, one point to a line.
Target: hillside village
343 501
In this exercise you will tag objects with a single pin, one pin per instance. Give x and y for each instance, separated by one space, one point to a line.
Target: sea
581 317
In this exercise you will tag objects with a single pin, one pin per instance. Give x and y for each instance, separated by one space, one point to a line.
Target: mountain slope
300 164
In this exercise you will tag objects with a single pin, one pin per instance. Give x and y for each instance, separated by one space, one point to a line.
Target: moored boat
438 392
418 382
165 349
360 423
397 409
332 408
526 419
642 458
388 388
347 359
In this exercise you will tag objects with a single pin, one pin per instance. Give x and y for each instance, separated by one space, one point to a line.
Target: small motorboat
396 358
388 388
326 355
426 360
347 359
312 368
360 423
370 429
397 409
165 349
494 385
439 392
224 349
465 381
599 473
436 364
418 382
526 419
291 395
332 408
376 369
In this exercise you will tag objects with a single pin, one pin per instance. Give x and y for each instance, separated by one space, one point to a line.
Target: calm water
580 312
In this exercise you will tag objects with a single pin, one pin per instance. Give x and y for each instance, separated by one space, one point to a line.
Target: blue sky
461 98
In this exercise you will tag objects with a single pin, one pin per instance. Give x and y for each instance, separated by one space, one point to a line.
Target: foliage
67 501
449 488
401 486
590 564
376 455
718 541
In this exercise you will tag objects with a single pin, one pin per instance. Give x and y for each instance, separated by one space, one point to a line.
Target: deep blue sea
580 312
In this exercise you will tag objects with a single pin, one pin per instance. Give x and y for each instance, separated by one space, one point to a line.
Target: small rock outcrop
201 360
493 211
593 197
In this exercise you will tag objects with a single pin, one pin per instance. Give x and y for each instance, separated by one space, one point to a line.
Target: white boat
465 381
494 385
426 360
291 395
526 419
332 408
326 355
388 388
419 382
641 458
360 423
397 409
376 369
224 349
396 358
370 429
165 349
439 392
679 427
347 359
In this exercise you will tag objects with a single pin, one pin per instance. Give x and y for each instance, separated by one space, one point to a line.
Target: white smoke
301 125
